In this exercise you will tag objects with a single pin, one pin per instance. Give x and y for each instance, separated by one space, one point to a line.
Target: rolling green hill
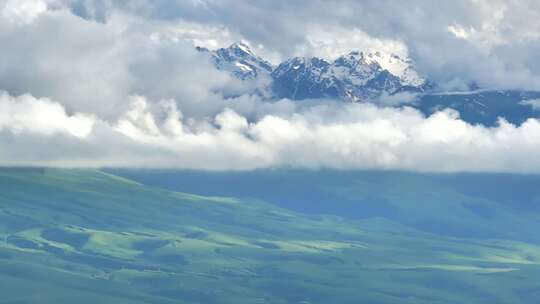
91 237
461 205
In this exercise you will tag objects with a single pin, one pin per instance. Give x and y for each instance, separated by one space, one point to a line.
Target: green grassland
83 236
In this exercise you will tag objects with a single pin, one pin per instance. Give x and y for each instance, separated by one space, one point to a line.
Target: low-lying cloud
41 116
323 135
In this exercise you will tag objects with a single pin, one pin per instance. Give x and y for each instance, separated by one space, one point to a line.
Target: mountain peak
358 58
302 66
239 60
241 47
355 54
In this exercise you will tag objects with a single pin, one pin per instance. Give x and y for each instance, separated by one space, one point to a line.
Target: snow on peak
304 65
243 67
400 67
243 47
368 63
239 60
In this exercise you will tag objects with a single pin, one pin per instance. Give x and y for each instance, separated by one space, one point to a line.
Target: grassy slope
90 237
459 205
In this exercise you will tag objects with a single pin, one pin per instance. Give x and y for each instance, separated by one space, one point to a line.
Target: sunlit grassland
90 237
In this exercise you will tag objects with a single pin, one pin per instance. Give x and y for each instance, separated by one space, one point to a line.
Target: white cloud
41 116
198 34
331 43
94 67
22 11
323 135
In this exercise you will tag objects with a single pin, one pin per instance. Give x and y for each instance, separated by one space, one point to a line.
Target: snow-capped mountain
357 76
361 76
239 60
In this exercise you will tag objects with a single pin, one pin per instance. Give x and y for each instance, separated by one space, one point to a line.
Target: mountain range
357 76
386 79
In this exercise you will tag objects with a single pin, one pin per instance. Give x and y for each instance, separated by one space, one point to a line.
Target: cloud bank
324 135
119 84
